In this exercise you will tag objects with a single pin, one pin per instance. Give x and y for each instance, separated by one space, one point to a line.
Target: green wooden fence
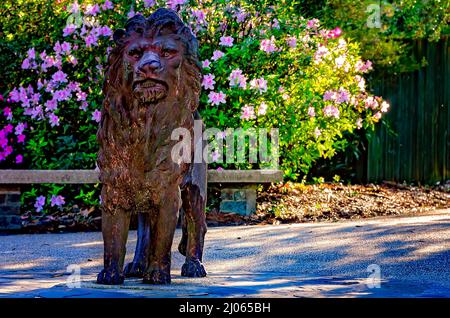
418 149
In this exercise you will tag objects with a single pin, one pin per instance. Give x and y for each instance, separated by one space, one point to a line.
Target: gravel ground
298 260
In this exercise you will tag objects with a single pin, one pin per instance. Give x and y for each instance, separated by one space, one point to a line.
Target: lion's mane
126 128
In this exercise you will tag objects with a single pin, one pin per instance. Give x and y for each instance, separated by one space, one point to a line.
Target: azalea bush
264 66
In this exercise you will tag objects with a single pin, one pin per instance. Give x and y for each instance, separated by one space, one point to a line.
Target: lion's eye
168 52
135 53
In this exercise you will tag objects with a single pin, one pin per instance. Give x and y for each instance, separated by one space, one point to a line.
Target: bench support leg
238 199
10 207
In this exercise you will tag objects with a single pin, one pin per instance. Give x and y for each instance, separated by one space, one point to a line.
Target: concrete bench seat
238 192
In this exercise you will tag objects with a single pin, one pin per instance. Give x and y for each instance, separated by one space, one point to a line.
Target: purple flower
208 81
53 120
51 105
226 41
20 127
174 3
57 200
66 47
217 55
268 45
216 98
248 112
26 64
237 78
21 139
108 5
92 9
149 3
105 31
7 113
19 159
69 29
60 77
97 115
259 84
206 64
90 40
331 111
40 202
31 53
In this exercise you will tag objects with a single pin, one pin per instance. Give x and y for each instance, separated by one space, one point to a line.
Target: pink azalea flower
359 123
331 111
69 29
248 112
97 115
200 15
236 78
90 40
74 7
108 5
217 55
7 113
39 204
317 132
53 120
105 31
26 64
377 115
31 53
292 42
384 107
51 105
226 41
60 77
216 98
92 9
329 95
371 102
66 47
262 109
343 96
311 112
20 127
312 24
206 64
149 3
8 129
21 139
268 45
259 84
57 200
208 81
19 159
174 3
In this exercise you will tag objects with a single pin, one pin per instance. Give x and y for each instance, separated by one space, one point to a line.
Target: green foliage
290 73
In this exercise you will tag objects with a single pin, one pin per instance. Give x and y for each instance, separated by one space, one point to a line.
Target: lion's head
155 59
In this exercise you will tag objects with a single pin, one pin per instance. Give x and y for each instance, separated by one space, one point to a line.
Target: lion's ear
119 36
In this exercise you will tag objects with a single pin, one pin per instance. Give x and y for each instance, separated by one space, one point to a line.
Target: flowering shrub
264 66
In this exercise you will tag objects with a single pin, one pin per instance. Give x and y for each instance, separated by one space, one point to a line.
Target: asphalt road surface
381 257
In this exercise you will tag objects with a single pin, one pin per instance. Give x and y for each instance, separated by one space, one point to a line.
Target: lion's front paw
110 277
193 268
157 277
134 270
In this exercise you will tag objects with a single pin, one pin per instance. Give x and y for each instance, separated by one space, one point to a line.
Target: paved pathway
301 260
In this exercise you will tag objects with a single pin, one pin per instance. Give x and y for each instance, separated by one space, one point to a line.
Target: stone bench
238 193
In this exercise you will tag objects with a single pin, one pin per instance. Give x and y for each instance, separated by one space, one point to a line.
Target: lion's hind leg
137 267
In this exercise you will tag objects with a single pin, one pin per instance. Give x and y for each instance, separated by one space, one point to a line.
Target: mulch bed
284 203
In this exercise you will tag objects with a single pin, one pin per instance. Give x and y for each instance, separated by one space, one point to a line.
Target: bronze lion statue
152 86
